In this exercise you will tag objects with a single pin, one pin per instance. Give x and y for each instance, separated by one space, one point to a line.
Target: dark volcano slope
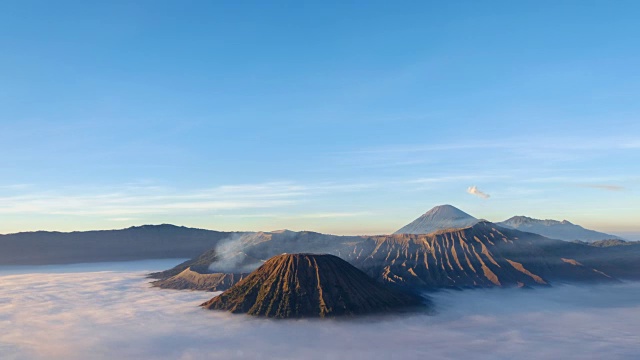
621 261
306 285
482 255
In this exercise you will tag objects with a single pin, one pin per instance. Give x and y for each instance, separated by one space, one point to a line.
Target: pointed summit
309 285
439 218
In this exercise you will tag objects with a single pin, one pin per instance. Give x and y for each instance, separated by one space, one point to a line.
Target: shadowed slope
306 285
199 263
193 280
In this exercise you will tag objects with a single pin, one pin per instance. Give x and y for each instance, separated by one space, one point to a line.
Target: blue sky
341 117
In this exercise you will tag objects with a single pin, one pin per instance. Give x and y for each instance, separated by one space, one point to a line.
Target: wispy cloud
15 186
119 203
607 187
473 190
556 143
441 179
123 203
546 150
631 145
318 215
332 215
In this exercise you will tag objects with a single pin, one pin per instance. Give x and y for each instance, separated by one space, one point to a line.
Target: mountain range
303 273
481 255
449 217
169 241
563 230
134 243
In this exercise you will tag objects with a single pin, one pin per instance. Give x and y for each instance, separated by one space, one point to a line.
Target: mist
116 314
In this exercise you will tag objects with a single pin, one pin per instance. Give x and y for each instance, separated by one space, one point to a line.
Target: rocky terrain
481 255
307 285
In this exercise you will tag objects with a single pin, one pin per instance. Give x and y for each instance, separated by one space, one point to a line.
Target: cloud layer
473 190
106 315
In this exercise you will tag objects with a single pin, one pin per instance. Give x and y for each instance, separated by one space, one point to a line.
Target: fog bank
103 315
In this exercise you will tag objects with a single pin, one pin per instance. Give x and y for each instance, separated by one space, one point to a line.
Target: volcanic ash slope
307 285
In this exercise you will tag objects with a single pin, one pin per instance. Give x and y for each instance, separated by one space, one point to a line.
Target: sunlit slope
308 285
478 256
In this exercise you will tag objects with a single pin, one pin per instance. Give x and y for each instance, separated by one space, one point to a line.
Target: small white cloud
473 190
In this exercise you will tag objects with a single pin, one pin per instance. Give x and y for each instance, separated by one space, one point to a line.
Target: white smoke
117 315
230 257
473 190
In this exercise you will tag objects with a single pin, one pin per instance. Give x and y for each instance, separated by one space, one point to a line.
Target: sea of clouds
116 314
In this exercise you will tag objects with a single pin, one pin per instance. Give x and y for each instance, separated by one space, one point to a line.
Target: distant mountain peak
563 230
439 218
446 210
